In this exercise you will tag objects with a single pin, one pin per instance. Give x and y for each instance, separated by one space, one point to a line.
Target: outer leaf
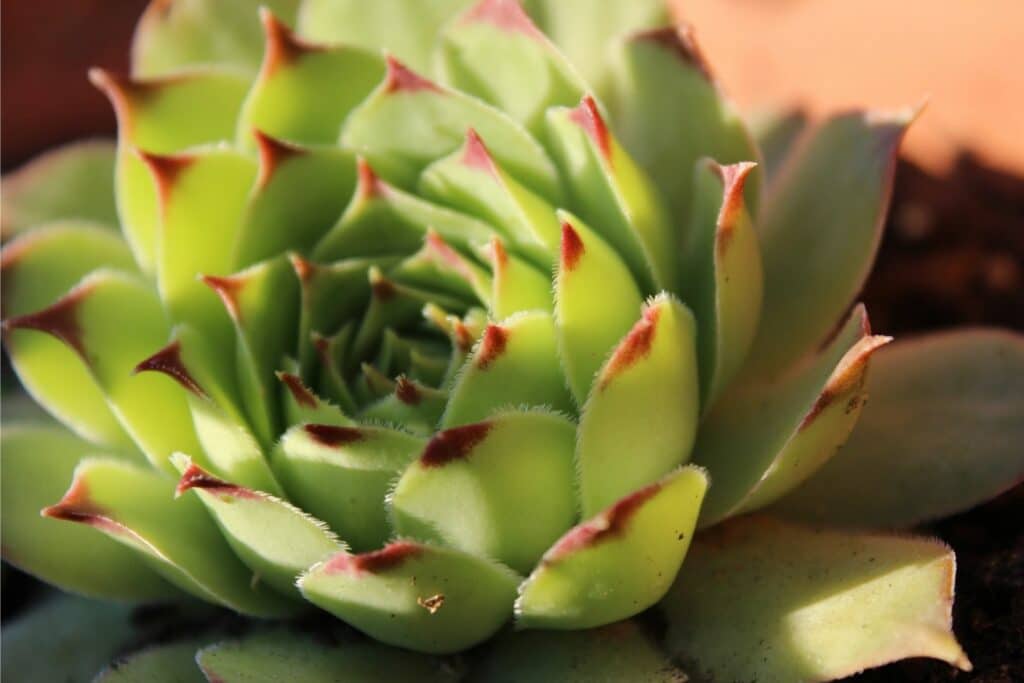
166 663
776 133
830 212
35 270
415 596
409 122
37 464
135 507
406 29
613 654
512 477
287 656
722 276
187 33
763 440
641 416
941 433
669 114
276 540
596 300
515 363
618 563
815 605
342 475
75 181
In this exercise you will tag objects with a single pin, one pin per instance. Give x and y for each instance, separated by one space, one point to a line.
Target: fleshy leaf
515 363
165 663
670 113
342 474
640 418
777 133
612 654
829 206
178 538
722 278
305 91
176 34
72 182
111 321
513 477
438 266
286 656
596 302
765 601
36 268
409 121
941 433
419 597
517 285
612 193
617 563
407 29
276 540
763 440
494 51
37 464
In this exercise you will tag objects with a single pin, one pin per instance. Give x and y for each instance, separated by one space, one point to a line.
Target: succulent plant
468 320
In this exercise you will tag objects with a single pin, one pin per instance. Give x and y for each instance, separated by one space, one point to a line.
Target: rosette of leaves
450 317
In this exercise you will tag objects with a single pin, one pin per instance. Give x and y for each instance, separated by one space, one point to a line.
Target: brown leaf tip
389 557
302 395
847 378
463 336
401 78
304 268
507 15
572 247
166 170
168 361
333 436
381 287
476 155
587 117
282 45
454 444
492 346
195 477
272 153
681 42
228 288
734 180
635 346
499 257
609 524
407 392
76 506
60 320
370 184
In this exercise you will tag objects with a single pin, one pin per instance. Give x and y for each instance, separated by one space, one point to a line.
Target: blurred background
953 252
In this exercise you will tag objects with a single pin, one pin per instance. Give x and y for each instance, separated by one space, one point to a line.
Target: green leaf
777 133
669 114
75 181
828 205
612 193
763 440
37 464
36 268
765 601
166 663
613 654
515 363
412 405
112 320
287 656
408 122
177 538
275 539
342 474
163 116
722 276
941 434
640 418
405 28
415 596
440 267
517 286
596 302
298 79
513 478
463 334
188 33
495 51
301 405
619 562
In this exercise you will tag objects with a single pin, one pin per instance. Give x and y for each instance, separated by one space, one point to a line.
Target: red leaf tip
572 247
272 153
195 477
60 320
610 523
228 288
282 45
407 392
302 395
388 557
168 361
635 346
587 117
166 170
401 78
681 42
493 344
370 184
507 15
454 444
476 155
333 436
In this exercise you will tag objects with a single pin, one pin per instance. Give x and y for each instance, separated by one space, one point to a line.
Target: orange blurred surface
963 56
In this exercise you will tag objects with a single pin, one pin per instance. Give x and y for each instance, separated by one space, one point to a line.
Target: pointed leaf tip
272 153
388 557
195 477
333 436
401 78
476 155
168 361
282 45
507 15
369 185
299 391
587 117
847 374
60 320
227 288
734 180
610 523
492 345
635 346
454 444
165 169
681 41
